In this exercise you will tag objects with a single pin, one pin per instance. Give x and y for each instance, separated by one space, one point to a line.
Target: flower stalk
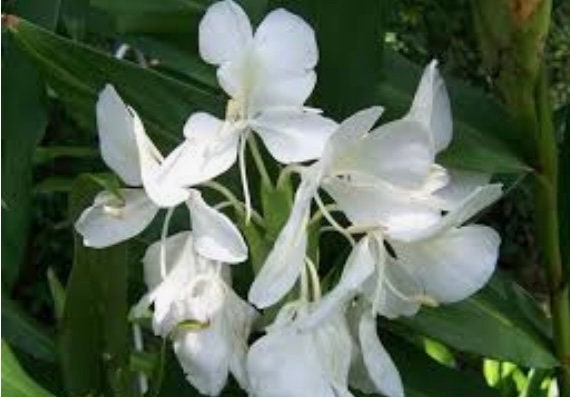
511 36
548 228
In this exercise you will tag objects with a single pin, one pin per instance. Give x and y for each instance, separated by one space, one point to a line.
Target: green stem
238 205
256 154
548 228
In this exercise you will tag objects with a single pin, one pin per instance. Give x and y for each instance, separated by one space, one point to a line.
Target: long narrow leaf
94 329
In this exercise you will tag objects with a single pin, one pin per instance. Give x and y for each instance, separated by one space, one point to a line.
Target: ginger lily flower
195 306
395 154
438 261
289 362
432 258
309 345
385 181
268 76
130 153
372 369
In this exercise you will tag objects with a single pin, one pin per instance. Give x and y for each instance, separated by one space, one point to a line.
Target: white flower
290 362
395 153
309 346
196 291
268 75
372 369
128 151
432 258
389 186
442 263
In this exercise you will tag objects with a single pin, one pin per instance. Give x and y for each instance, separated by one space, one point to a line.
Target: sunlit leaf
15 382
490 323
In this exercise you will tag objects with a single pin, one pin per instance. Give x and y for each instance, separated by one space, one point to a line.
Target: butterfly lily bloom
394 153
310 345
372 369
396 162
129 152
431 258
195 306
268 76
289 362
439 261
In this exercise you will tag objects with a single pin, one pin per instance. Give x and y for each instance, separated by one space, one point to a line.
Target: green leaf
45 154
175 58
179 17
483 131
493 323
109 182
276 202
24 119
23 124
349 53
150 16
24 332
15 382
78 73
94 328
53 184
423 377
258 245
57 293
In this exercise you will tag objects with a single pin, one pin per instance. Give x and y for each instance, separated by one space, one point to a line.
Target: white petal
285 261
431 107
204 357
453 265
107 222
398 152
215 236
397 211
359 266
238 319
461 185
293 136
334 345
275 88
286 364
116 136
236 76
349 132
358 375
180 267
437 179
284 40
398 293
161 193
480 198
356 126
381 368
224 32
209 150
177 247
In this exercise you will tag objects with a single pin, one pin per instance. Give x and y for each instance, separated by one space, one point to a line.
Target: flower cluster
403 214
